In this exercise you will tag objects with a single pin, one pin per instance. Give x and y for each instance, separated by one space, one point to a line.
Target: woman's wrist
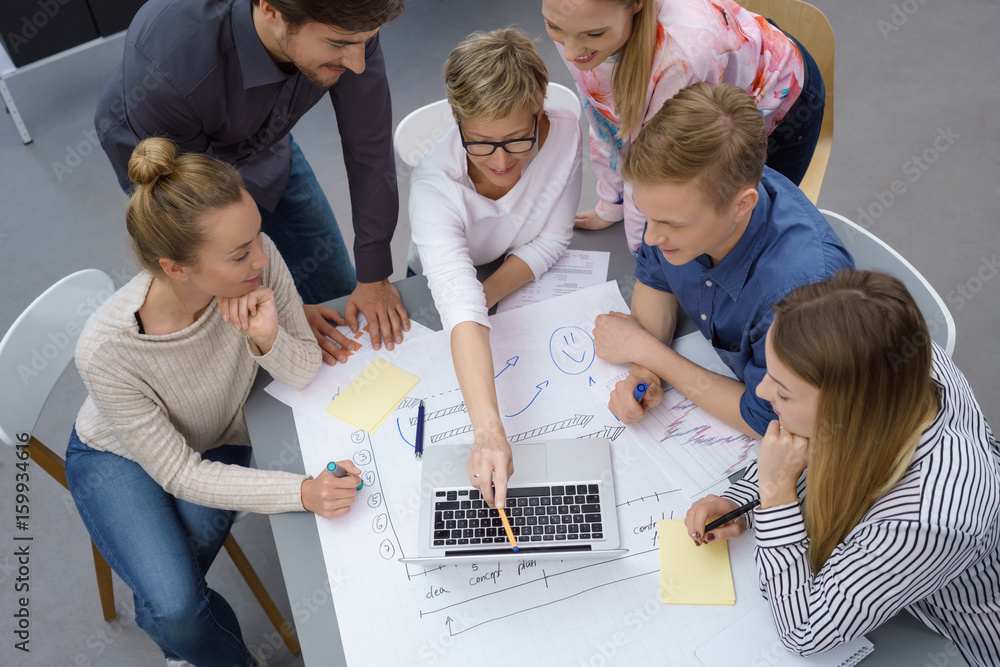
303 491
264 344
777 497
488 428
490 294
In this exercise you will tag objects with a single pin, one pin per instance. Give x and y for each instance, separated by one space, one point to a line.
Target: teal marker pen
339 471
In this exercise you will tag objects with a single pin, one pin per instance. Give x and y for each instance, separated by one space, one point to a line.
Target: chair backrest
559 95
40 345
871 252
810 26
420 129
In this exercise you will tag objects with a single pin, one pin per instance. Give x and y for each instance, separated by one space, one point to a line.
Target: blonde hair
171 192
860 338
713 135
630 79
493 75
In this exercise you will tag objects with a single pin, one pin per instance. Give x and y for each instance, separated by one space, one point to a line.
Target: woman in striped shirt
903 479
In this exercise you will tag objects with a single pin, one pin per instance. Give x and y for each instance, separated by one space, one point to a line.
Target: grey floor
908 72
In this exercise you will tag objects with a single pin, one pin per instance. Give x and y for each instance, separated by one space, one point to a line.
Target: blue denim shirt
787 243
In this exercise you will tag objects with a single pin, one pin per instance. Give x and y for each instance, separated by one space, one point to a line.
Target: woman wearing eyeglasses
505 181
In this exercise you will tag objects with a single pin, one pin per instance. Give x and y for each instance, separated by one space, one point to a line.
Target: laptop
560 504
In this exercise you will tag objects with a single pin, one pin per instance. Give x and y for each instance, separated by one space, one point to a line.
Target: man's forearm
656 311
364 120
717 394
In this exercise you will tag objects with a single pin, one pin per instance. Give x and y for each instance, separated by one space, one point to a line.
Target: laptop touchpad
529 463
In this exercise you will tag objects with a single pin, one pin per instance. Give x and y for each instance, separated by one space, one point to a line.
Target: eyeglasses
514 146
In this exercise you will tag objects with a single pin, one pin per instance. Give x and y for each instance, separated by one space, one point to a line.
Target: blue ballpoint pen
639 391
418 447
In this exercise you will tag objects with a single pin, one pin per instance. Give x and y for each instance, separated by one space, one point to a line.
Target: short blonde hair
493 75
171 193
712 135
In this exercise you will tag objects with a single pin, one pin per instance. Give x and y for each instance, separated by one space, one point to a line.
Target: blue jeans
791 144
306 233
161 547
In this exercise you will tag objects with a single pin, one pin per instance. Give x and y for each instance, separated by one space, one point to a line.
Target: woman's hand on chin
782 458
254 314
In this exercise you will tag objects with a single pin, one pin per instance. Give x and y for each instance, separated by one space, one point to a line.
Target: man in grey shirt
230 78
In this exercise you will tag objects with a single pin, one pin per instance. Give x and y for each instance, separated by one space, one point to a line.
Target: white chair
418 131
33 355
871 252
559 95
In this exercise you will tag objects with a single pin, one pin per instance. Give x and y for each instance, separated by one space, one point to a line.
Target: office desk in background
902 642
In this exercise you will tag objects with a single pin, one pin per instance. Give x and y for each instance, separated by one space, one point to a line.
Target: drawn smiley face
572 350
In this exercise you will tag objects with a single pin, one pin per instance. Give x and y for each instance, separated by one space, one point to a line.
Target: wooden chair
33 355
811 27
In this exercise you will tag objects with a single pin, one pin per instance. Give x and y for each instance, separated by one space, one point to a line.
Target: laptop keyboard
558 513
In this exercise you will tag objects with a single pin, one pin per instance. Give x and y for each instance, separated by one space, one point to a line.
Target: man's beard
283 42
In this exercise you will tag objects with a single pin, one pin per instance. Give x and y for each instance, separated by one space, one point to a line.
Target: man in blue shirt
726 238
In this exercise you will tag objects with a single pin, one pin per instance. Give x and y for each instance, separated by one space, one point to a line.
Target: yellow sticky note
691 574
372 396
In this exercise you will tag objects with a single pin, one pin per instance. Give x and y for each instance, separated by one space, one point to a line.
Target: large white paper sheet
575 270
690 446
313 399
696 449
530 613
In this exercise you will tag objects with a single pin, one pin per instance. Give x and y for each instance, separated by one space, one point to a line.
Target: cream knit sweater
162 401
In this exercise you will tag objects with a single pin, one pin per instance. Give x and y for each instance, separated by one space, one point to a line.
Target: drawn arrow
400 429
510 362
578 420
448 621
408 403
609 432
592 383
539 387
444 412
453 432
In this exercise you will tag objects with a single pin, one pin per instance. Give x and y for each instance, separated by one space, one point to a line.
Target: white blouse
455 228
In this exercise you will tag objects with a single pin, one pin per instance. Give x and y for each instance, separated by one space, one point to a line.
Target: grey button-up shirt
196 71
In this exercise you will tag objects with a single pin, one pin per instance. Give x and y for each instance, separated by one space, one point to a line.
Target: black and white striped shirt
930 545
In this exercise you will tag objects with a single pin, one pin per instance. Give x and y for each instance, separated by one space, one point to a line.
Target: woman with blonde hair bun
157 461
879 484
504 182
